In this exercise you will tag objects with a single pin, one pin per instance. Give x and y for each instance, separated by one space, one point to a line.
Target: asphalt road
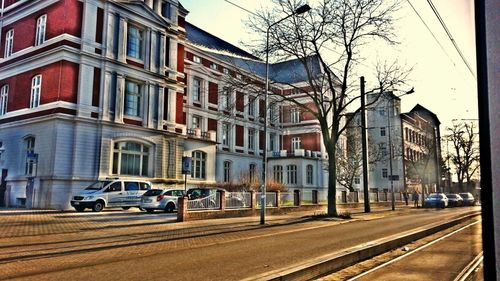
218 250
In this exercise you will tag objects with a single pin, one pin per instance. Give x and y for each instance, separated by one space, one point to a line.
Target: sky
442 81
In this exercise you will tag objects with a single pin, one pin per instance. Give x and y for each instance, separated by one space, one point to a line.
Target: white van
111 193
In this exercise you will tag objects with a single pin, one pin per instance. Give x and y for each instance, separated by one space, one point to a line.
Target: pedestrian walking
415 198
405 196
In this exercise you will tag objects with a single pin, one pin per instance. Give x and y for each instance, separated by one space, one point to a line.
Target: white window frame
36 91
143 155
227 171
278 173
357 180
213 66
196 89
4 99
251 139
225 99
225 133
166 10
309 174
252 171
225 70
9 43
272 141
296 143
138 40
196 59
291 173
136 110
295 115
251 105
199 165
196 122
29 168
41 26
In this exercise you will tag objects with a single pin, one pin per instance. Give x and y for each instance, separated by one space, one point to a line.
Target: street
132 245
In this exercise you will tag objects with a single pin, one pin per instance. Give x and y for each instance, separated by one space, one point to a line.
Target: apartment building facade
95 89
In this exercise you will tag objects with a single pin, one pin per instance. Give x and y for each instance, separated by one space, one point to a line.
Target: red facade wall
180 115
62 17
213 95
240 102
309 141
239 135
59 83
212 124
180 57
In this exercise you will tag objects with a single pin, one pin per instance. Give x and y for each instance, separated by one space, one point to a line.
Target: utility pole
391 178
364 146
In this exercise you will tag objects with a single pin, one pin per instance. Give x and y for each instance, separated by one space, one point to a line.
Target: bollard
182 209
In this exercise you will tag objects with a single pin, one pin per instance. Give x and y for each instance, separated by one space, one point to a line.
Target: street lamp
300 10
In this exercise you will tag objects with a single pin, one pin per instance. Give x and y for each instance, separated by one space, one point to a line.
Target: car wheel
170 207
150 210
98 206
125 208
79 209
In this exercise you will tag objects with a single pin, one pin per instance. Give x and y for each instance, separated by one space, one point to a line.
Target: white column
161 66
120 98
149 104
172 56
172 106
105 96
149 3
110 36
89 26
161 101
149 53
157 6
122 40
85 90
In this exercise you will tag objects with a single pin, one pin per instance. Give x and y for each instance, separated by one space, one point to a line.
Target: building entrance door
3 187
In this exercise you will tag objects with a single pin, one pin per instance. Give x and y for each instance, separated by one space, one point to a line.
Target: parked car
468 198
161 199
437 200
454 200
110 193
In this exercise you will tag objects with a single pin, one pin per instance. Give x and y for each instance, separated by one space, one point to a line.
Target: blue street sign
186 165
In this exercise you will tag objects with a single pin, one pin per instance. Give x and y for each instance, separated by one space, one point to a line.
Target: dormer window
135 42
166 10
225 70
196 59
213 66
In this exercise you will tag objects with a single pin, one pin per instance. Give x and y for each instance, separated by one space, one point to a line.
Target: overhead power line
451 37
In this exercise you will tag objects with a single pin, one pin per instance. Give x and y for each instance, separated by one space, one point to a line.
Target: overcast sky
442 82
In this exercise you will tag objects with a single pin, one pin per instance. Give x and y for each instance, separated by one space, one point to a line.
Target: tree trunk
332 184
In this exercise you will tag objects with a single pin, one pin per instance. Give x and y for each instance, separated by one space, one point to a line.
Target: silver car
161 199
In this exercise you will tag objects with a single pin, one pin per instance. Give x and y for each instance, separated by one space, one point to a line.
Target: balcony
198 134
296 153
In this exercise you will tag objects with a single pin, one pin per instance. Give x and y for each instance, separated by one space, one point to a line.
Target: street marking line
412 252
470 267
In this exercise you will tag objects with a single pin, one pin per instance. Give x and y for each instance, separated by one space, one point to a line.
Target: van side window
131 186
116 186
144 186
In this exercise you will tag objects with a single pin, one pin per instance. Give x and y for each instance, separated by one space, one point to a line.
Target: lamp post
391 178
300 10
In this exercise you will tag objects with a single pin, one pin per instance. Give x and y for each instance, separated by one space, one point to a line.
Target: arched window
227 171
198 170
309 174
9 43
41 24
36 89
131 158
4 98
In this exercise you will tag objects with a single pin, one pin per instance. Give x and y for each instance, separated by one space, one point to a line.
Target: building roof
424 111
286 72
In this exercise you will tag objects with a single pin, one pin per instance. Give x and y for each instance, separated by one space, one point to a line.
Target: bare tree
465 154
346 26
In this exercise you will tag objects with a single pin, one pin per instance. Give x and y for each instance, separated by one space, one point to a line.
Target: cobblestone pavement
38 241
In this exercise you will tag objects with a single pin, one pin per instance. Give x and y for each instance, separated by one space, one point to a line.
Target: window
252 172
295 115
272 141
36 88
131 186
166 10
41 24
238 76
225 134
130 158
381 111
225 70
309 174
227 171
196 59
251 106
272 113
291 174
9 43
199 159
116 186
29 168
383 150
278 173
382 132
196 122
133 99
295 143
357 180
196 90
225 99
213 66
4 98
384 173
135 41
251 139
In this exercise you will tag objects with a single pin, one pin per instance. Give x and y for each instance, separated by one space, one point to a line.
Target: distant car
161 199
469 199
437 200
454 200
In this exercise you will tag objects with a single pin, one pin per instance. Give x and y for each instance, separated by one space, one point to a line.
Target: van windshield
98 185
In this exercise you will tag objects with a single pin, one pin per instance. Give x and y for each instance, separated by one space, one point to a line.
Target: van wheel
125 208
98 206
79 209
170 207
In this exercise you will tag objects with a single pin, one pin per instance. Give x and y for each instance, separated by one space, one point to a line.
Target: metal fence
270 199
287 199
208 203
238 200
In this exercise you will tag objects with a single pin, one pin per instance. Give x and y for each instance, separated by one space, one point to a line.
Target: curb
334 262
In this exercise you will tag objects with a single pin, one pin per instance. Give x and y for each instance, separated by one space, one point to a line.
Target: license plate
76 203
148 200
